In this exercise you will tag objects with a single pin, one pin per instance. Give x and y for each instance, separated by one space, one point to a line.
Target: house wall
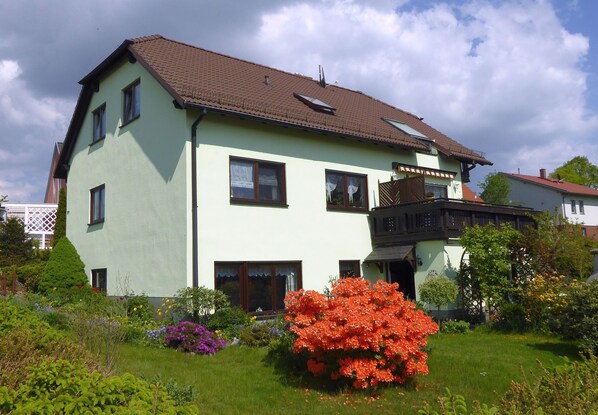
552 201
143 241
305 230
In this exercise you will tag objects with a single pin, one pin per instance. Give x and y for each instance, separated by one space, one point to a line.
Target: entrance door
402 273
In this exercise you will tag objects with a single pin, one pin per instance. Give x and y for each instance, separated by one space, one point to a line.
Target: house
190 168
54 184
576 203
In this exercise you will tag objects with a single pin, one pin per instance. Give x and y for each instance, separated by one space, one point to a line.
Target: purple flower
191 337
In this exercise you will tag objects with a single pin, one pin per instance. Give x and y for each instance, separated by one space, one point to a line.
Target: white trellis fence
38 219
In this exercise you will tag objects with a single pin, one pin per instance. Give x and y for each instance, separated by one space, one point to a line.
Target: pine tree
60 225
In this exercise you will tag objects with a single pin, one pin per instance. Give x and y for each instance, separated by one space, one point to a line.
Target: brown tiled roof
197 78
470 195
558 185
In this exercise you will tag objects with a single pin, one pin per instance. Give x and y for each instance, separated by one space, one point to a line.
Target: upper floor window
346 191
349 269
98 279
99 123
435 191
257 181
573 206
131 102
96 210
581 209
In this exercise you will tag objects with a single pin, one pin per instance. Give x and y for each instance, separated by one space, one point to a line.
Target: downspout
194 221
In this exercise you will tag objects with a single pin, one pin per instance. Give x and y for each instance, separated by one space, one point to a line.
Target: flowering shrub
366 334
192 337
544 299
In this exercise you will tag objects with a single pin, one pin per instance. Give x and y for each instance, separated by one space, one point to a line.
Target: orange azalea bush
364 333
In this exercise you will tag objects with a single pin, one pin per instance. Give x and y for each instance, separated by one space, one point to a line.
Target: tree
578 170
15 245
60 224
64 269
438 290
496 189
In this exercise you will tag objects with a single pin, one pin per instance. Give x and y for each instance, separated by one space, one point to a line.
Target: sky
514 79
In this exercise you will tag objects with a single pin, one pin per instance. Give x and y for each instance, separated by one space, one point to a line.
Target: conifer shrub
60 224
362 334
64 269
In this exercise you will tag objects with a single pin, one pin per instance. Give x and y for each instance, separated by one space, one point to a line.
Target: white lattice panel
39 220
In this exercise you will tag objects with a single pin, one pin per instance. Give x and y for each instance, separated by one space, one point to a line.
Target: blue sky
515 79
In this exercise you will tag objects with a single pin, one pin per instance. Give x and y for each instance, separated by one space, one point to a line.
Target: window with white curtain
346 191
258 286
257 181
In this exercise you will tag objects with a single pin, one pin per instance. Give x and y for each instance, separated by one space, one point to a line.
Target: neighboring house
470 195
54 184
190 168
577 203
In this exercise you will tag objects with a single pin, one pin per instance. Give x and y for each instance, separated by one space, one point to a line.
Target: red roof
197 78
470 195
554 184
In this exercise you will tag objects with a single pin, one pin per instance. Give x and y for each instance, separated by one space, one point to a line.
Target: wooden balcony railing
440 219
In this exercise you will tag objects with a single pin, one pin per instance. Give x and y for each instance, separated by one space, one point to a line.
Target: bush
64 270
455 327
368 335
259 335
579 320
139 308
229 321
511 317
31 274
181 395
199 302
438 291
62 387
16 247
192 337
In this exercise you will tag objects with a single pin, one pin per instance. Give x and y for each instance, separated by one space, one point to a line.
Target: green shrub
64 270
511 317
454 327
228 322
181 395
62 387
30 274
438 291
60 223
139 308
16 247
580 318
199 302
258 335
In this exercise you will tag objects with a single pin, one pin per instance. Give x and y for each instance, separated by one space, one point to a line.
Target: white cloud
491 75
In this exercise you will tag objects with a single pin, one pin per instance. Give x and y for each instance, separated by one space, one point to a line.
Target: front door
402 273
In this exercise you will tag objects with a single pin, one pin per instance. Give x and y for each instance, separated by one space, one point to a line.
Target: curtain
241 174
331 183
227 271
288 271
353 186
268 183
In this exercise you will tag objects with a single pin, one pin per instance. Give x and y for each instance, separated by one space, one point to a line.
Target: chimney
542 173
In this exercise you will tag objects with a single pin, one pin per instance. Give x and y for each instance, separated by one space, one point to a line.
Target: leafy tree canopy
496 189
578 170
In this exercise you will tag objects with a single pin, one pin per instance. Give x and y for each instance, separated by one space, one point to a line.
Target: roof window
315 104
408 130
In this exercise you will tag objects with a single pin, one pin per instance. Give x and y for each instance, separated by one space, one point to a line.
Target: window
581 209
96 211
257 181
349 269
346 191
131 102
435 191
98 279
573 207
99 124
257 286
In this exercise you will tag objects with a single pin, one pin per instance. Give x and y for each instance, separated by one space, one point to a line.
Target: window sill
346 209
96 222
99 140
125 123
258 203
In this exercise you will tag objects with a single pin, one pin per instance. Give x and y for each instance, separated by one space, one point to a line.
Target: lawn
237 380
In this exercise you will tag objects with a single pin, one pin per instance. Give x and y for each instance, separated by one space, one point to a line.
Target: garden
358 347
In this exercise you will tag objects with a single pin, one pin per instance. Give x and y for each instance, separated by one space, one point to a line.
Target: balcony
38 220
439 219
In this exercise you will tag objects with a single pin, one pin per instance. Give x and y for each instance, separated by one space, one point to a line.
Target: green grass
478 365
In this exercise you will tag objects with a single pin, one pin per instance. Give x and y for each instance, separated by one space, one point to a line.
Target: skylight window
408 130
315 104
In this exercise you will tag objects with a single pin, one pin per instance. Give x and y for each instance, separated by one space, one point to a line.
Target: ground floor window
258 286
349 269
98 279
